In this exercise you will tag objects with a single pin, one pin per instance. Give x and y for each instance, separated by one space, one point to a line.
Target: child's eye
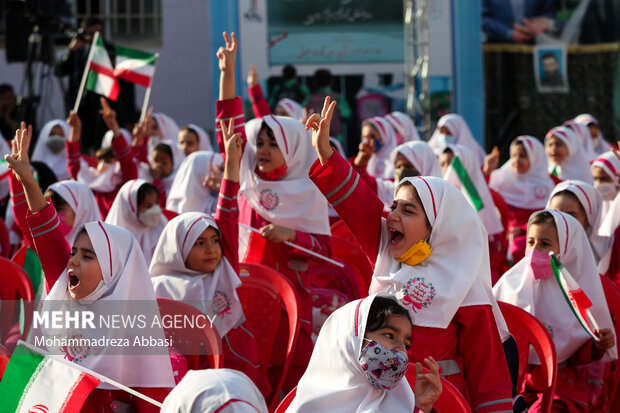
72 254
198 243
216 241
392 207
389 335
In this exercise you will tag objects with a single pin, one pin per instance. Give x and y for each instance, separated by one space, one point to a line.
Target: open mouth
396 236
73 281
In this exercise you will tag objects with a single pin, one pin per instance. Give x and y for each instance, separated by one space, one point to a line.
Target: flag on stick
575 297
134 66
101 78
457 175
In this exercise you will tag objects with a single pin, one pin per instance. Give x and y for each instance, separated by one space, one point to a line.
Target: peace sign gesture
320 130
228 55
233 146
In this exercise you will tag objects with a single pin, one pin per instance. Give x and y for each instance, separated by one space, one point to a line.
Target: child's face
444 129
69 214
280 111
445 159
600 176
543 237
162 161
83 268
268 155
519 162
593 130
395 334
407 223
556 149
150 199
402 162
571 206
206 253
369 133
153 128
188 142
57 131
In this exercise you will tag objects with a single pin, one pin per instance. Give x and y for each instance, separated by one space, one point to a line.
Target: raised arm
260 106
320 130
72 146
227 57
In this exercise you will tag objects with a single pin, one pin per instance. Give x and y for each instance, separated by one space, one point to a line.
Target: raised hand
18 160
141 129
365 150
109 117
75 123
491 161
320 130
228 55
233 147
427 387
252 77
213 181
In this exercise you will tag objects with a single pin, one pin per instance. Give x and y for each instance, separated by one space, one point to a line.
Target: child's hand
232 141
491 161
109 117
278 233
427 388
228 55
320 130
213 181
365 150
75 123
607 339
252 77
18 159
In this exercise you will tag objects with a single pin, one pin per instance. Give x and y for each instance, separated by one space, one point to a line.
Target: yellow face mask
417 253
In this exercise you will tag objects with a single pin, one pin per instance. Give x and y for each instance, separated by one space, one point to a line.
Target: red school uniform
479 371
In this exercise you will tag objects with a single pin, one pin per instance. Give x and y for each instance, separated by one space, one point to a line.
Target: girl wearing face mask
531 285
277 198
103 267
359 363
599 144
566 156
606 173
136 208
443 280
452 128
379 140
104 178
50 147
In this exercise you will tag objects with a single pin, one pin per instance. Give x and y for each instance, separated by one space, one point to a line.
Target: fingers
224 130
104 105
330 111
231 127
432 365
234 42
226 40
252 69
325 106
313 122
26 141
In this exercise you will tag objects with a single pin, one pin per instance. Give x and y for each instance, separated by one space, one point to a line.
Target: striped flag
41 384
457 175
134 66
575 297
28 259
101 79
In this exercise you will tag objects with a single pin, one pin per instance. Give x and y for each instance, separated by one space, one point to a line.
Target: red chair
609 395
332 277
14 285
189 341
527 330
351 253
263 293
5 242
450 401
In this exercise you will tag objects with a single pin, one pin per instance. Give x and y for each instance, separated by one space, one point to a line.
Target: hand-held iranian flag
36 383
134 65
98 74
457 175
575 297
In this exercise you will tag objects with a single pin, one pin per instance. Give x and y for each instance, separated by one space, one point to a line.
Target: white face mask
595 142
55 143
608 190
445 140
150 217
96 294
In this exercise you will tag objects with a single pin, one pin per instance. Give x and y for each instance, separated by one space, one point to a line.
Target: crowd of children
158 213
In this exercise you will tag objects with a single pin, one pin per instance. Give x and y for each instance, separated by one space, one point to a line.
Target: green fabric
21 367
467 183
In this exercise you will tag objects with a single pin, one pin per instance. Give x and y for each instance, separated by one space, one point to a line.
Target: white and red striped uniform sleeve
224 111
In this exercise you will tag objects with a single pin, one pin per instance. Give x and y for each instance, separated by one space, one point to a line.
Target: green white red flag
101 78
134 66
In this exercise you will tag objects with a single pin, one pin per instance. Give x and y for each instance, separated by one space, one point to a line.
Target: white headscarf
528 190
126 282
611 166
404 126
544 298
168 127
608 228
187 193
204 140
213 293
421 157
109 135
124 213
461 132
293 201
575 165
294 109
57 162
599 144
583 133
456 274
334 380
215 391
488 214
379 164
81 200
592 203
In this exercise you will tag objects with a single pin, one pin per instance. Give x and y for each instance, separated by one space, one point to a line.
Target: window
127 22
